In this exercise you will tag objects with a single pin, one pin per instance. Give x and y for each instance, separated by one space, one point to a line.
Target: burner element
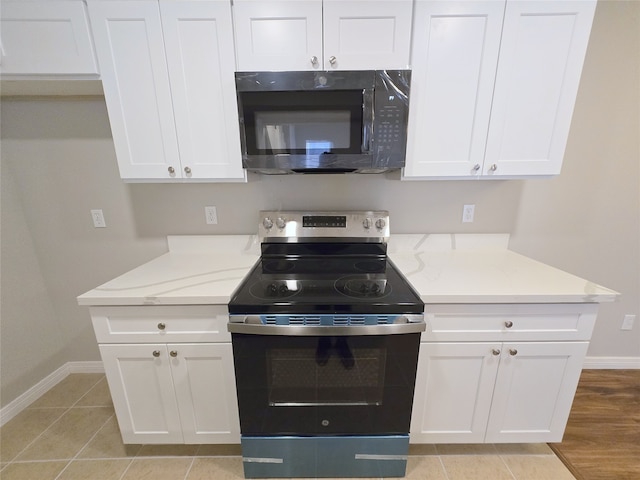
275 289
367 286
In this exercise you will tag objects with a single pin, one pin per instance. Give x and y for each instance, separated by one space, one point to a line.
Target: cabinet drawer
161 324
522 322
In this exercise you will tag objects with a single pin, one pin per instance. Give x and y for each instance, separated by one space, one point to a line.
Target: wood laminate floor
602 439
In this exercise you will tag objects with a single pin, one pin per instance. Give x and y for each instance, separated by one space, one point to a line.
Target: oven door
325 385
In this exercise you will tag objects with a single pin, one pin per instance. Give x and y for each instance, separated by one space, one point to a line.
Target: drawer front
161 324
521 322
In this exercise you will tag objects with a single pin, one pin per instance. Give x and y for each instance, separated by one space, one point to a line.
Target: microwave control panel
390 117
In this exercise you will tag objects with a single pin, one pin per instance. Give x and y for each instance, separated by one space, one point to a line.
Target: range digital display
324 221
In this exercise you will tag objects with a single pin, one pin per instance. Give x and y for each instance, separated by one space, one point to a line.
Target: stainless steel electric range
325 334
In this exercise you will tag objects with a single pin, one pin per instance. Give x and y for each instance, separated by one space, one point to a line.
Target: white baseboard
614 363
43 386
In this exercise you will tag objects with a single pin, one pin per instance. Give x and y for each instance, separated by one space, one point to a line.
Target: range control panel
292 225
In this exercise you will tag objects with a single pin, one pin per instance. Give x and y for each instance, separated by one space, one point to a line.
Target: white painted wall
58 163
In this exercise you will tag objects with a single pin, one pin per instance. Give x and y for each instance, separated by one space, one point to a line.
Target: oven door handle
252 324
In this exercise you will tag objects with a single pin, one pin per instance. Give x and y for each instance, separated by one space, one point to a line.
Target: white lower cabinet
480 380
167 392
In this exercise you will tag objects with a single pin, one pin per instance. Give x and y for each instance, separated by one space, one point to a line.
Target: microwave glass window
310 123
312 132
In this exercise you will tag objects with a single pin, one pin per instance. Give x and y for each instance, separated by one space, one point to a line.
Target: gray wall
58 162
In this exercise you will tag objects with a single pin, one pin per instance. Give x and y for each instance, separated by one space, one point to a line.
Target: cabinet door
130 49
541 55
367 35
454 385
45 38
454 56
141 386
198 41
205 387
278 35
534 391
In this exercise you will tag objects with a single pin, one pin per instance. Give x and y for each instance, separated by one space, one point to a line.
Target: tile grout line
86 444
13 460
126 469
444 469
67 410
507 467
186 475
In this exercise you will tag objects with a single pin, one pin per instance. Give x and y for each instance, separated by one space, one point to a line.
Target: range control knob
267 223
366 223
380 223
281 223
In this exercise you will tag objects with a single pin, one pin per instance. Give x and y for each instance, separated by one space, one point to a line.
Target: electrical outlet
467 213
627 322
98 219
211 215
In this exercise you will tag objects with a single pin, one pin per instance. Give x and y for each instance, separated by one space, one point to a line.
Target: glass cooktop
338 281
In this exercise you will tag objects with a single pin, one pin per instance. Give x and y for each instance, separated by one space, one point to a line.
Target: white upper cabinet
45 38
135 79
322 35
541 57
454 58
493 88
278 35
170 94
199 46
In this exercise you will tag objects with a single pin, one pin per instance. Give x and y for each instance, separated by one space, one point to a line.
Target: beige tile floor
71 433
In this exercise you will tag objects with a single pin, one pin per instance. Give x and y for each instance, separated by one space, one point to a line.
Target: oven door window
325 385
308 123
332 374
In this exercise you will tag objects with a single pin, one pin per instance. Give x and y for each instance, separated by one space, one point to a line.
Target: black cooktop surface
324 280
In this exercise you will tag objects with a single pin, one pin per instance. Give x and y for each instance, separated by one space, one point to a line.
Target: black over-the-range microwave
323 122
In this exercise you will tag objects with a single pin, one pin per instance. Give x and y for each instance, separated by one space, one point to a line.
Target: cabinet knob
495 352
156 353
513 352
171 170
187 170
332 60
314 60
493 167
173 353
508 324
476 167
161 326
